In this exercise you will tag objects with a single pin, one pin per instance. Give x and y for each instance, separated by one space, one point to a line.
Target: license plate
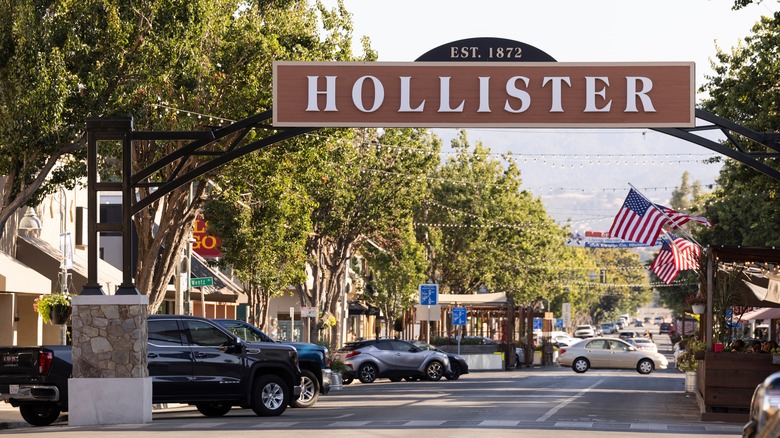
13 389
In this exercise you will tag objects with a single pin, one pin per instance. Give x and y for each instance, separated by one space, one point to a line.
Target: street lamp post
66 249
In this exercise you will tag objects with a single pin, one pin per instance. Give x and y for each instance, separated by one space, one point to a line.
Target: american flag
638 220
678 219
675 256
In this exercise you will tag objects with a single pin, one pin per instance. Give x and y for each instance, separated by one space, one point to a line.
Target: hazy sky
581 174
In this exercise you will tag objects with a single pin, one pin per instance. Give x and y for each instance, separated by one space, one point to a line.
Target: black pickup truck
191 360
313 359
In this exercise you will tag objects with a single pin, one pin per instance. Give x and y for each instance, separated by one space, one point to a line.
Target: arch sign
484 83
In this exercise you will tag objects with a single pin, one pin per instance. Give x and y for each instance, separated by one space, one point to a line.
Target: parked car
628 334
584 331
643 344
610 353
764 419
191 360
458 364
370 359
607 328
665 327
313 359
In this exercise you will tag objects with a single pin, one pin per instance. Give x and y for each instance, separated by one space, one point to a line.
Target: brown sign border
683 98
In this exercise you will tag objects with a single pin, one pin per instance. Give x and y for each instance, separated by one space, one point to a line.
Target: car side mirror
414 349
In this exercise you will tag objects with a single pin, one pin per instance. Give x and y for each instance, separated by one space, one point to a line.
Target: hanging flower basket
60 313
698 308
54 308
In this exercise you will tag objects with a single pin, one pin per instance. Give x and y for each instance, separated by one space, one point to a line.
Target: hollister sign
484 94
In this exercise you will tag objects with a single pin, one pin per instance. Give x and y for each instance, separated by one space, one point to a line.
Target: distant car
665 327
584 331
620 325
370 359
647 320
643 344
764 419
638 323
607 328
458 364
610 353
658 320
629 334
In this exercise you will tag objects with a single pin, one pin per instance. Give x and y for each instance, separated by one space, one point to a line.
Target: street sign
537 323
202 281
308 312
429 294
458 316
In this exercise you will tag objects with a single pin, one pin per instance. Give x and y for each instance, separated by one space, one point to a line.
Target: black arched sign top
485 49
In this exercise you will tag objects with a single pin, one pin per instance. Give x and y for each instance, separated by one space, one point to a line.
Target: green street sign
200 282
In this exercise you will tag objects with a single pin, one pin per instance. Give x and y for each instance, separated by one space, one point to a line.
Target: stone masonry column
110 382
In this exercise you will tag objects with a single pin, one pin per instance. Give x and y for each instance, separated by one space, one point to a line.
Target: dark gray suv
370 359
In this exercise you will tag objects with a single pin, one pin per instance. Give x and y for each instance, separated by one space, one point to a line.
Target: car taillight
45 359
561 351
352 354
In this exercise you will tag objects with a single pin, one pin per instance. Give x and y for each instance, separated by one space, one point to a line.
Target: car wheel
645 366
395 379
214 409
270 396
310 390
580 365
434 371
367 373
40 414
347 380
411 378
455 374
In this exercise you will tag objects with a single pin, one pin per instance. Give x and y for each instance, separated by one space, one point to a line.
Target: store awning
17 277
46 260
473 299
763 313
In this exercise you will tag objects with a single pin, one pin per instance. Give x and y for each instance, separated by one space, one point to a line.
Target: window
164 332
202 333
600 344
619 346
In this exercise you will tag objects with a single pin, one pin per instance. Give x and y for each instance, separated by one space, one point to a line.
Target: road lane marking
563 404
424 423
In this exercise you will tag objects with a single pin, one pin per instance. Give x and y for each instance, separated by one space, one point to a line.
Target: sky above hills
581 175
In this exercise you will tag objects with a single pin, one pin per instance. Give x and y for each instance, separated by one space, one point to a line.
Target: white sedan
643 344
610 353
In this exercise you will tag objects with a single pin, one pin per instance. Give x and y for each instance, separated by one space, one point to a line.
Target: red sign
205 245
484 94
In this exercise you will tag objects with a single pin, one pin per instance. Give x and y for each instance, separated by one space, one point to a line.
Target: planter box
726 382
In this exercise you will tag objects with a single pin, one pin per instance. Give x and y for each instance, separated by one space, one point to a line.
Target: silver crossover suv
367 360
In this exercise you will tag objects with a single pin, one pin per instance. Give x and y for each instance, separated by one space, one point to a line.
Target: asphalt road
543 402
530 402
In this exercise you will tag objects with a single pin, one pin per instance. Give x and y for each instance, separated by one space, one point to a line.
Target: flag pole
660 210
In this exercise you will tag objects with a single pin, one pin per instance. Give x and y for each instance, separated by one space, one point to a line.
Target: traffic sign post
459 320
429 296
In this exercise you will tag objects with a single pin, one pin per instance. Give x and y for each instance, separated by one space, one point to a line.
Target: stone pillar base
94 401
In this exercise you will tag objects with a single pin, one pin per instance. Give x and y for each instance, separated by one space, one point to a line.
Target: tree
212 57
363 183
486 231
742 195
262 220
397 266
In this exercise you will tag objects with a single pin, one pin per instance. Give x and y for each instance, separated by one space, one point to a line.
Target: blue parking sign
458 316
429 294
537 323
